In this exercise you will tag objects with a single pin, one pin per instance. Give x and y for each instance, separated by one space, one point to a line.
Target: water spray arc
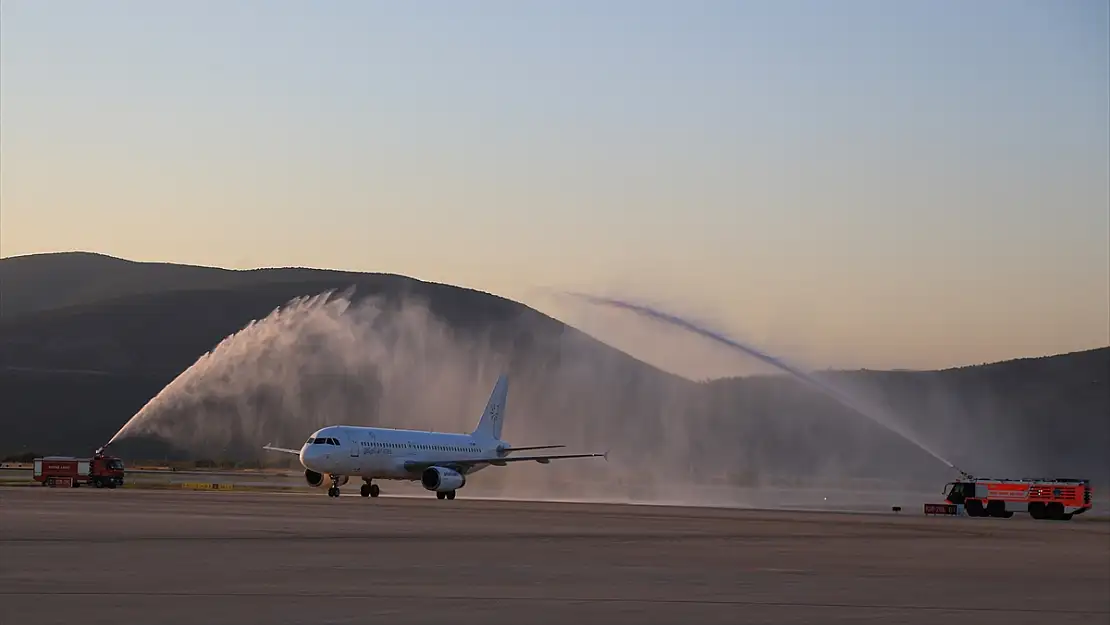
267 341
689 326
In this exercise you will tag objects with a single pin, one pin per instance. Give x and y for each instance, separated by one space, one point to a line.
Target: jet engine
441 479
313 478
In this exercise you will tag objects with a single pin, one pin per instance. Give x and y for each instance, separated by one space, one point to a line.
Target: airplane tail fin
489 427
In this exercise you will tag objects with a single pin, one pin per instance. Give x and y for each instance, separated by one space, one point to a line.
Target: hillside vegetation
86 340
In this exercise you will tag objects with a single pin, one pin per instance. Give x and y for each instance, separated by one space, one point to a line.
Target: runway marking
378 596
350 535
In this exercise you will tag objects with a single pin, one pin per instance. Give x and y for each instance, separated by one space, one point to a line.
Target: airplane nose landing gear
336 481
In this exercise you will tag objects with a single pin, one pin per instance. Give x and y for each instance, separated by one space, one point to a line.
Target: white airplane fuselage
381 453
441 461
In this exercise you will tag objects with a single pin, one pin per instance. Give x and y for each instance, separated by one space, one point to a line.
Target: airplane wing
532 447
295 452
419 465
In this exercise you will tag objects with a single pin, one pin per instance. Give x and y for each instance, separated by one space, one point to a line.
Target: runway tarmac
133 556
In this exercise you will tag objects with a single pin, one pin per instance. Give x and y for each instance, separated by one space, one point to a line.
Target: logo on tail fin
495 415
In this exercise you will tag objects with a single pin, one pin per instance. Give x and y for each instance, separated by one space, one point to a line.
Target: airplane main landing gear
447 495
370 490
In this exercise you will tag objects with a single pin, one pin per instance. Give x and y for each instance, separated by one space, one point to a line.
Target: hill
40 282
80 355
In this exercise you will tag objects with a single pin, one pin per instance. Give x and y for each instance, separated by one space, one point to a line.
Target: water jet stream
689 326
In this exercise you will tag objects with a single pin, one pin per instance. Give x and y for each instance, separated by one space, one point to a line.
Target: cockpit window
321 441
311 440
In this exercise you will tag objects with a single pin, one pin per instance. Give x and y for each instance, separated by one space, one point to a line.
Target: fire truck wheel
1055 511
1037 511
974 507
996 509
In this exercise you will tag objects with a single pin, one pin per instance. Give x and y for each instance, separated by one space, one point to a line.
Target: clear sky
858 183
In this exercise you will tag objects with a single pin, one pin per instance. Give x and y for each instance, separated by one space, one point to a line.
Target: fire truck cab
1057 499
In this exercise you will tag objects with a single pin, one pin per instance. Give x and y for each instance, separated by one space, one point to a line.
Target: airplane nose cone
312 455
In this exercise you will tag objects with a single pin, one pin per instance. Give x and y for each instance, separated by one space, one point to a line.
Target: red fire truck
1057 499
100 471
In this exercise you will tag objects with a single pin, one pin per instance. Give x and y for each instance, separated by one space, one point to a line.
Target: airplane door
354 450
355 447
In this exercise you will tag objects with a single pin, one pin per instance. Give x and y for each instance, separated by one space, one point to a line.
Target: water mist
336 359
333 359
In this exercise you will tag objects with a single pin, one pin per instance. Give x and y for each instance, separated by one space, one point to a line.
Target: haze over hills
86 340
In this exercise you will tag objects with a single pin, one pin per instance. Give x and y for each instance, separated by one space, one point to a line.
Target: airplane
441 461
